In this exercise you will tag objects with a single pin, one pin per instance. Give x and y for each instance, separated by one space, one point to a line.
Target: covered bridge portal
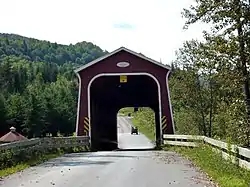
122 78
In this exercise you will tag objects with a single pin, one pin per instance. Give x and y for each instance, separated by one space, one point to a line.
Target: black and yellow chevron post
86 125
164 123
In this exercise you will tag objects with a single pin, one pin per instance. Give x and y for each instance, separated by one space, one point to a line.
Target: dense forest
38 88
210 80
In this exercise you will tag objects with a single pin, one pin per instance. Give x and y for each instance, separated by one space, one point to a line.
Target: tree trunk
203 124
211 107
202 107
243 67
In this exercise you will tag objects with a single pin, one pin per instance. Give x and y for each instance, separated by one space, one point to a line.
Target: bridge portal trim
118 74
78 102
170 104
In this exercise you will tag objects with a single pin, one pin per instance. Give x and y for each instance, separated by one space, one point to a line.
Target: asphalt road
128 141
112 169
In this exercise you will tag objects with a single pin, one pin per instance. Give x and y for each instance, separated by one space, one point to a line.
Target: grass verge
225 173
143 128
36 158
23 165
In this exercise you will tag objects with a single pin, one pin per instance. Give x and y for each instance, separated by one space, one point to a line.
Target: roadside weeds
225 173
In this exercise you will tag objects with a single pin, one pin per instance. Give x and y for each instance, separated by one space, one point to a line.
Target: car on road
134 130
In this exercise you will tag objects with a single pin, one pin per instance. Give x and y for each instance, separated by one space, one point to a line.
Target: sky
151 27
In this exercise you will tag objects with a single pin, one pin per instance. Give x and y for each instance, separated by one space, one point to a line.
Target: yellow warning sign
123 78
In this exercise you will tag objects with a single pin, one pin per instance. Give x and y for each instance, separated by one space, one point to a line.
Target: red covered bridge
122 78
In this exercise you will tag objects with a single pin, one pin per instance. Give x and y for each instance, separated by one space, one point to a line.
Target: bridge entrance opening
119 79
136 128
108 94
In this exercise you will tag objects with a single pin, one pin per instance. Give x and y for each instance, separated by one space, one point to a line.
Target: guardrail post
159 142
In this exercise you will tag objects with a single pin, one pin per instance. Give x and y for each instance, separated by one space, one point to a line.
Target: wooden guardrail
237 154
182 140
48 142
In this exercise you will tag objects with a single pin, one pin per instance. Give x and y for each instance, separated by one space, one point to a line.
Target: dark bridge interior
108 96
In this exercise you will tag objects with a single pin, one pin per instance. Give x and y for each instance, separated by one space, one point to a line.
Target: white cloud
157 25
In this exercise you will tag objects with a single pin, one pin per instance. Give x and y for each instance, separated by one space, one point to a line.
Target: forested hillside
38 88
44 51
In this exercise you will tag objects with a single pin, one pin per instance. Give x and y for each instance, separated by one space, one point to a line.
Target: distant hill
45 51
38 87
